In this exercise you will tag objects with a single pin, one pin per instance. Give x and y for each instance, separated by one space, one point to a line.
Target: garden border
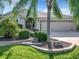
39 48
55 50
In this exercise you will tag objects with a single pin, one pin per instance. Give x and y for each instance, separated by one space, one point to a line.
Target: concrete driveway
72 37
64 34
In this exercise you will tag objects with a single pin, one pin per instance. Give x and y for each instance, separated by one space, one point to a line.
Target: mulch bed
17 39
45 44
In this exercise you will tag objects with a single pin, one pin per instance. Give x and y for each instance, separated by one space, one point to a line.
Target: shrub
77 28
8 28
35 29
31 34
24 33
41 36
20 26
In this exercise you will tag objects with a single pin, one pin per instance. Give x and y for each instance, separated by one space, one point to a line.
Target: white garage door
59 26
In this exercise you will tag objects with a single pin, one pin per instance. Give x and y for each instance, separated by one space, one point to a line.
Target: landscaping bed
41 45
38 41
16 39
45 44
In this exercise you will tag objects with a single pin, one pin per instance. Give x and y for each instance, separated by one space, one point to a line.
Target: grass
26 52
21 52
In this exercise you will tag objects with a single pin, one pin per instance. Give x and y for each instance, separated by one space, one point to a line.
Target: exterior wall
21 21
56 25
37 25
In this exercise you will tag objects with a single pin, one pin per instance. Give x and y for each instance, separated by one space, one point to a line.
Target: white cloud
45 10
65 11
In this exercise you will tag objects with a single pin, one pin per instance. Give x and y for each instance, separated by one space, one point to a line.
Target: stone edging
39 48
47 50
55 50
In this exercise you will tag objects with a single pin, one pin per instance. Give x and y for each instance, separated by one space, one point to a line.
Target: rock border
54 50
39 48
49 50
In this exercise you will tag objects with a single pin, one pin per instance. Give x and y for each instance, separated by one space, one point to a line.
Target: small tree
8 28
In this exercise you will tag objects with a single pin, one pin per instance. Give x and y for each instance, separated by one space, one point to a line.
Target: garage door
59 26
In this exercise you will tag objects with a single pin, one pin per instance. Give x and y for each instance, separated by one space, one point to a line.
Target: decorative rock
58 44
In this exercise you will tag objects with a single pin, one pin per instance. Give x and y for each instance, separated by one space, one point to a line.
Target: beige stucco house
64 24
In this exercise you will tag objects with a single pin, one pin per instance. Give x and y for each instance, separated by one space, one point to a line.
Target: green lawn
21 52
25 52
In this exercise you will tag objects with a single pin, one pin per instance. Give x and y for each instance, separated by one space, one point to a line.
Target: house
64 24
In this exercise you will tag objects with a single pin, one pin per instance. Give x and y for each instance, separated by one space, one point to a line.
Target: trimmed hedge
41 36
24 33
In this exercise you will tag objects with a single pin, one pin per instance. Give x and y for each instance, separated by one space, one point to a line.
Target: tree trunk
48 24
48 33
49 5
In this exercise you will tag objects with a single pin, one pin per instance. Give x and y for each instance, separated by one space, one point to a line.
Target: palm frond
34 5
20 4
56 10
74 8
1 4
72 5
9 1
28 12
32 11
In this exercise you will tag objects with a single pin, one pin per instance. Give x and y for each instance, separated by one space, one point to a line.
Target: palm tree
32 10
51 5
56 11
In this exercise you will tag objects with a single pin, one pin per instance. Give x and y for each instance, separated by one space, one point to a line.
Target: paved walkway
73 40
72 37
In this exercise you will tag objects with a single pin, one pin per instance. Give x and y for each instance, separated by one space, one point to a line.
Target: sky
63 5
